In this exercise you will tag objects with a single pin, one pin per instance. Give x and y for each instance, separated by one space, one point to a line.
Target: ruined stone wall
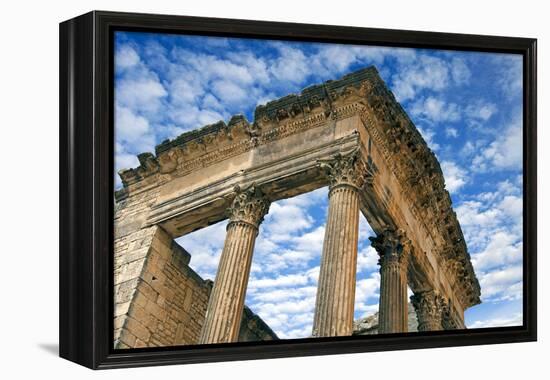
130 255
132 244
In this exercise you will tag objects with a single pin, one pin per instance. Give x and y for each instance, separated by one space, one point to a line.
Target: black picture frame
86 189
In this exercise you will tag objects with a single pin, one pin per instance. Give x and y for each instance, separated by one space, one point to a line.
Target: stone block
122 308
188 299
130 256
148 291
142 315
119 322
156 310
125 291
140 299
137 329
128 271
140 343
127 338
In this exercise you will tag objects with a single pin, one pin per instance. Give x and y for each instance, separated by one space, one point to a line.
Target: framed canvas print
237 189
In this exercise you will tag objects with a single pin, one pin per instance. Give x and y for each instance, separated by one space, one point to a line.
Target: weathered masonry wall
162 301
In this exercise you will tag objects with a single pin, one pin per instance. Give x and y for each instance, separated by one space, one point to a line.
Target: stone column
429 306
225 307
336 288
394 250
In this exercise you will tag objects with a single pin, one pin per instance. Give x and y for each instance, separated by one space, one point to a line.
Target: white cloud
125 161
283 294
277 221
210 67
367 259
513 320
477 214
258 68
205 247
129 126
229 92
287 307
310 241
512 206
289 311
133 131
472 148
140 94
451 132
506 187
288 280
460 71
492 225
189 115
481 110
435 110
291 65
502 248
367 294
503 284
184 91
455 176
510 76
336 58
428 135
367 288
126 57
210 102
296 333
366 309
426 73
505 152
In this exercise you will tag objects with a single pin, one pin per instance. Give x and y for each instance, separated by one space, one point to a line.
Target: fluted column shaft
430 307
394 251
225 307
336 287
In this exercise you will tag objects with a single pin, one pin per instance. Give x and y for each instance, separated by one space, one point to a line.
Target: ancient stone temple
350 135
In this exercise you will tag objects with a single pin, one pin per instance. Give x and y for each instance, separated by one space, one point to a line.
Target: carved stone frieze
417 169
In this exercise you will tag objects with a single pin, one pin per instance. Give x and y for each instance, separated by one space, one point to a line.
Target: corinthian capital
430 307
392 246
249 206
348 169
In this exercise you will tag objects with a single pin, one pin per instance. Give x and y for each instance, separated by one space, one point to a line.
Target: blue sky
467 106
